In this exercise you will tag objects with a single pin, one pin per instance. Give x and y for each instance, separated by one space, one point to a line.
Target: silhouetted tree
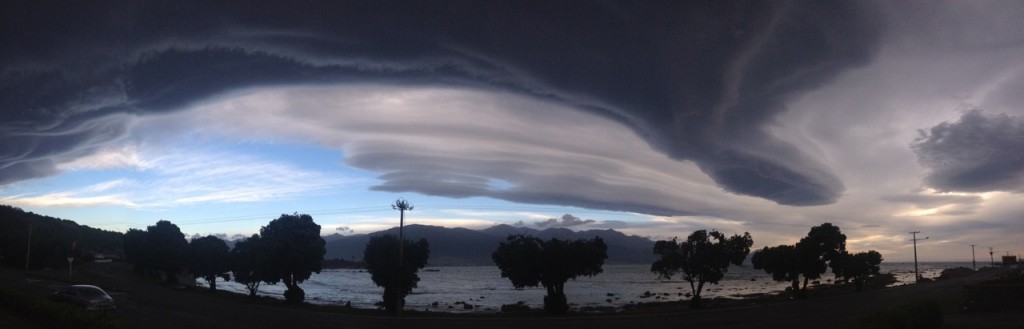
781 262
381 258
809 258
703 258
294 251
821 245
168 249
528 261
137 249
247 263
857 267
208 259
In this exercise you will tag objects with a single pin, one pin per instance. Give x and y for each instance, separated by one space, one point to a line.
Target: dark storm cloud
699 80
978 153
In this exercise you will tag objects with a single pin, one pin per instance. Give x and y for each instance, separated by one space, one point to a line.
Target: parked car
88 297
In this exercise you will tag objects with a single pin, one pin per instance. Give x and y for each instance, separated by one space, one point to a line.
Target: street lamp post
402 206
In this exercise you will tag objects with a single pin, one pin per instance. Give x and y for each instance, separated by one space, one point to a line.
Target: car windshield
88 292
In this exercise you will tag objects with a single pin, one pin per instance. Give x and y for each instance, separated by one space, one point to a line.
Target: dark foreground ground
145 303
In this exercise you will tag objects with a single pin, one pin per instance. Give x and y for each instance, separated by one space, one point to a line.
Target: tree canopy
208 259
247 263
809 258
856 267
381 258
703 258
168 249
529 261
779 261
822 244
137 250
293 251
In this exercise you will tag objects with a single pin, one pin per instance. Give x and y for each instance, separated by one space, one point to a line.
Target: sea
451 289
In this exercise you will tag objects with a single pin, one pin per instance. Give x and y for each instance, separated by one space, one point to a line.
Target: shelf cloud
699 84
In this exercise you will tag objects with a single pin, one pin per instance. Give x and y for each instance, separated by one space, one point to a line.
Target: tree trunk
695 301
795 288
253 287
294 294
392 301
555 301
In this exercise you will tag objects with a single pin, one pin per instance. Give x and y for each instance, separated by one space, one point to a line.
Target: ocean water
484 288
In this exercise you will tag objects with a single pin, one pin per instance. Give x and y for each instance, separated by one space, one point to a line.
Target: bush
956 272
296 295
517 307
912 315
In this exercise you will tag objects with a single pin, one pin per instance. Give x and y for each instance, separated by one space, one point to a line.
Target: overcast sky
655 119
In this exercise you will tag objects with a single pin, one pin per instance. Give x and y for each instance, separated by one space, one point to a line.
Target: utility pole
71 257
974 264
402 206
917 276
28 249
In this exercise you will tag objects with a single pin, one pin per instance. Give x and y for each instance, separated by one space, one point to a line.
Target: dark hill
461 246
53 239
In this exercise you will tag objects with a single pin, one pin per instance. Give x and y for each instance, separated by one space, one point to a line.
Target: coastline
623 287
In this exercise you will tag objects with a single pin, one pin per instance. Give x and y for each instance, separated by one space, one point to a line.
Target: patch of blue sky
132 197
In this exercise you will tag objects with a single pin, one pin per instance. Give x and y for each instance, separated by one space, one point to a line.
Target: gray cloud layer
978 153
567 220
699 81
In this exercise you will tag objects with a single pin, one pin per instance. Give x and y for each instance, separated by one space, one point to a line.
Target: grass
50 314
912 315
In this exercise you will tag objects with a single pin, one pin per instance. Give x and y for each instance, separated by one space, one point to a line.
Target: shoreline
884 281
616 301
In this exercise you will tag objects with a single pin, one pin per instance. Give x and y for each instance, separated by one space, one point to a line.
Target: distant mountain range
448 246
461 246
